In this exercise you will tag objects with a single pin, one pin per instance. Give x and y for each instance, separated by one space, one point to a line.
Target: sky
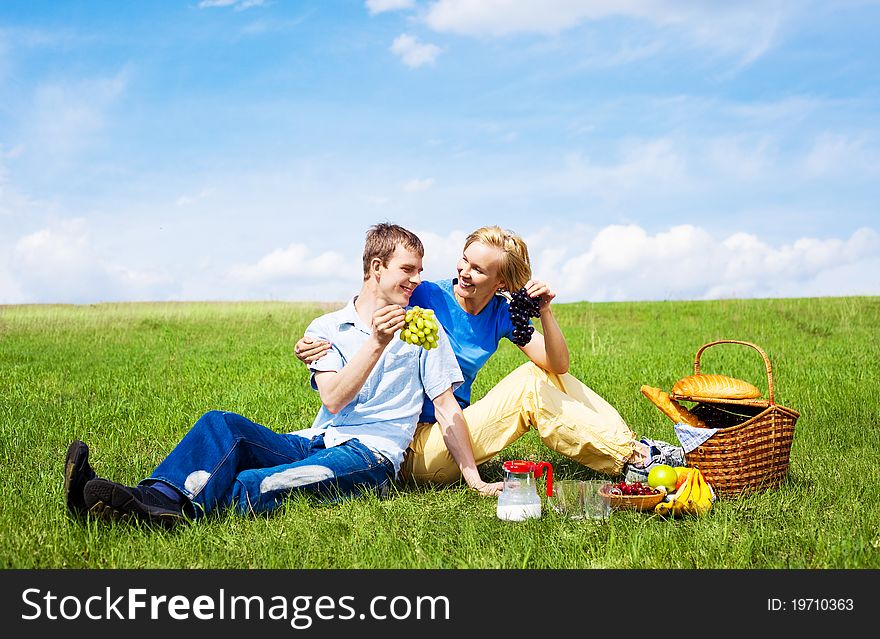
240 149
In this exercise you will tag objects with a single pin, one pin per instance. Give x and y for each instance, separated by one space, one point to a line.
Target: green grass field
130 379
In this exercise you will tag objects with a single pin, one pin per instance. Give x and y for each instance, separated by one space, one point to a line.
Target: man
371 387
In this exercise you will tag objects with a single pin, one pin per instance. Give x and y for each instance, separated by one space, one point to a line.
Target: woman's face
478 271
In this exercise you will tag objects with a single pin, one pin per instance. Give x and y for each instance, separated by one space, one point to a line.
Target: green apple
662 475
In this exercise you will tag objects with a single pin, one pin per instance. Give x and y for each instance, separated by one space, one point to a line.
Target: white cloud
414 53
381 6
657 165
17 209
65 117
442 253
293 273
841 155
417 184
240 5
506 17
376 200
625 262
742 157
746 29
639 172
190 199
59 264
294 262
10 290
12 153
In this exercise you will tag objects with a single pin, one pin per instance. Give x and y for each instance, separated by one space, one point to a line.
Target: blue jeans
228 461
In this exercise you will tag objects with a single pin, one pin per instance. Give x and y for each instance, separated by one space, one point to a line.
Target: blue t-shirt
473 337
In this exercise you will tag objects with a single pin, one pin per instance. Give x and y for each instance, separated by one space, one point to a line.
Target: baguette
671 408
715 386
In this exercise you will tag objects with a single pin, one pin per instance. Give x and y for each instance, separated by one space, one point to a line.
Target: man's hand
338 389
387 321
309 349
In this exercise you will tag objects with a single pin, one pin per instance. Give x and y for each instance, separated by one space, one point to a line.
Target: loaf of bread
671 408
715 386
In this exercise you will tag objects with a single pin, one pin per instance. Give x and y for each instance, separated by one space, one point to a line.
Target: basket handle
736 341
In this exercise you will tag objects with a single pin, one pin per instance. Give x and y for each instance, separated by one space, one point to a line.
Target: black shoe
109 500
76 473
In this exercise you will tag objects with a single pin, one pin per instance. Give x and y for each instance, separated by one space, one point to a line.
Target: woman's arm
310 349
547 349
457 438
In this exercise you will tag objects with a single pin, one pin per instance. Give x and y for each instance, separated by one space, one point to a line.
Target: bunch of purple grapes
523 307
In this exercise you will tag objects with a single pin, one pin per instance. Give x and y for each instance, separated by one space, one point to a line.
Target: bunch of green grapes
421 327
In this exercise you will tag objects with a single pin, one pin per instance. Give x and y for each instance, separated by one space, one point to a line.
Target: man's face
399 278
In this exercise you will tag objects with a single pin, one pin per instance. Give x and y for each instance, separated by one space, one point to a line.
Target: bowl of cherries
632 496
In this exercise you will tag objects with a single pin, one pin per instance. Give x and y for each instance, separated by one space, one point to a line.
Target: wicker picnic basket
751 449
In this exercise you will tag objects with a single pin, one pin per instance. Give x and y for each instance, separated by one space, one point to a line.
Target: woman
569 417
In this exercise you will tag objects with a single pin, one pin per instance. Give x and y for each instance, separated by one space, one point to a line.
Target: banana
687 490
710 494
694 499
665 505
707 495
703 504
679 499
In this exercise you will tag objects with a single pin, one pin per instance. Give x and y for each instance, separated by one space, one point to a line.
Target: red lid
521 466
518 466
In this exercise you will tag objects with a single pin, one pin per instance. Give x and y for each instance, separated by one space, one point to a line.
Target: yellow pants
569 417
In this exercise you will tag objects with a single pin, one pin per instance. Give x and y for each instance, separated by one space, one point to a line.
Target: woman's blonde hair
515 269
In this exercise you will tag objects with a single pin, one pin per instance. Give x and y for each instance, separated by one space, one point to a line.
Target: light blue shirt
385 412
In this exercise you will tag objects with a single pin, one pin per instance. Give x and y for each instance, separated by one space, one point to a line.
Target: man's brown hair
383 238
